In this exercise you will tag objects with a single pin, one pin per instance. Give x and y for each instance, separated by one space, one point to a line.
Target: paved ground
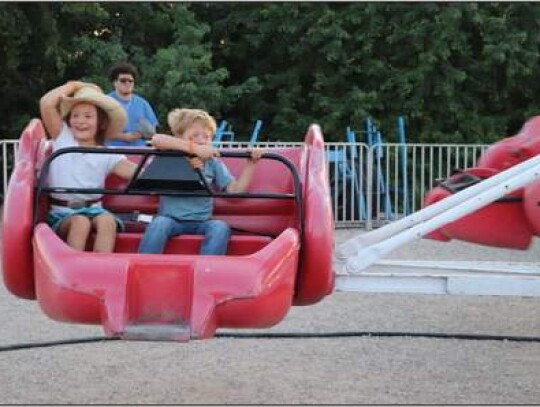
398 370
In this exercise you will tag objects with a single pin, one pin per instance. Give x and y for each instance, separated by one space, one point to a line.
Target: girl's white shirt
78 170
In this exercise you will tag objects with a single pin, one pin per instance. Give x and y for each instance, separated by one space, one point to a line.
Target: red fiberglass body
509 222
278 258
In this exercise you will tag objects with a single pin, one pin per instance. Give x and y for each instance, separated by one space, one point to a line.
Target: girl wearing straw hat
79 114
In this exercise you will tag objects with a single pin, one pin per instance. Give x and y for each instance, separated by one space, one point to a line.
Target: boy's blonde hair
180 120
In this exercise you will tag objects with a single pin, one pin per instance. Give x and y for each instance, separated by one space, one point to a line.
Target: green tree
459 72
181 72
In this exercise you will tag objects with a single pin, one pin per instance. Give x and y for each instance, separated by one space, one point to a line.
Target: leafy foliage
459 72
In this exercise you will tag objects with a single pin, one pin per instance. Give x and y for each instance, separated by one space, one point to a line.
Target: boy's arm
166 142
242 183
127 136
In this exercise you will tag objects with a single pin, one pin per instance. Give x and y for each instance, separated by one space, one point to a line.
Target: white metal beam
517 173
454 278
463 204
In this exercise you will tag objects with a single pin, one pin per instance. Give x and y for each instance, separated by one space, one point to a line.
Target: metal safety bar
364 188
146 153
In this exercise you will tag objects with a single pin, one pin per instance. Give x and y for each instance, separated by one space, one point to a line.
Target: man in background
142 120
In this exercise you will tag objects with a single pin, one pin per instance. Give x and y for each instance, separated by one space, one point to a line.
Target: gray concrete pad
368 370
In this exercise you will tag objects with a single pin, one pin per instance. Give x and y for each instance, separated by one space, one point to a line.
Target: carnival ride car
496 203
510 221
279 255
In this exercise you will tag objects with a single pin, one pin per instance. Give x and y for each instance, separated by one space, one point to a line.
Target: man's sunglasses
126 80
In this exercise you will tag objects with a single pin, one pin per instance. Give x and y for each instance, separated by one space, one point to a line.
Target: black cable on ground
20 346
286 335
295 335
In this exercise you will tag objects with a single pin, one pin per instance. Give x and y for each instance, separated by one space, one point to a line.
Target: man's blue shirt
137 108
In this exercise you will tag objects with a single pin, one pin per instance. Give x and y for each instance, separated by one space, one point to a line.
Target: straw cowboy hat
89 94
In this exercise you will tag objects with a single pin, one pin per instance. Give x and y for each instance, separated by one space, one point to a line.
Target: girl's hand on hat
71 87
93 85
74 86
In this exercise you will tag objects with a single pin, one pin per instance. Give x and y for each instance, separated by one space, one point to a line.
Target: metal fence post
369 188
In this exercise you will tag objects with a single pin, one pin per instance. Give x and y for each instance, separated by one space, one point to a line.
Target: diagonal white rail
361 251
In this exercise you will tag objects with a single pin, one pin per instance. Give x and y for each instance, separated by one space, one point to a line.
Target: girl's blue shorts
57 216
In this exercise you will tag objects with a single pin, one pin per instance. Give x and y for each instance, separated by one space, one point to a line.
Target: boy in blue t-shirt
179 215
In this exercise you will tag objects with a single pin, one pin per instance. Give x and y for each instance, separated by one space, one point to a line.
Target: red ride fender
17 227
439 193
499 224
515 149
531 206
315 274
